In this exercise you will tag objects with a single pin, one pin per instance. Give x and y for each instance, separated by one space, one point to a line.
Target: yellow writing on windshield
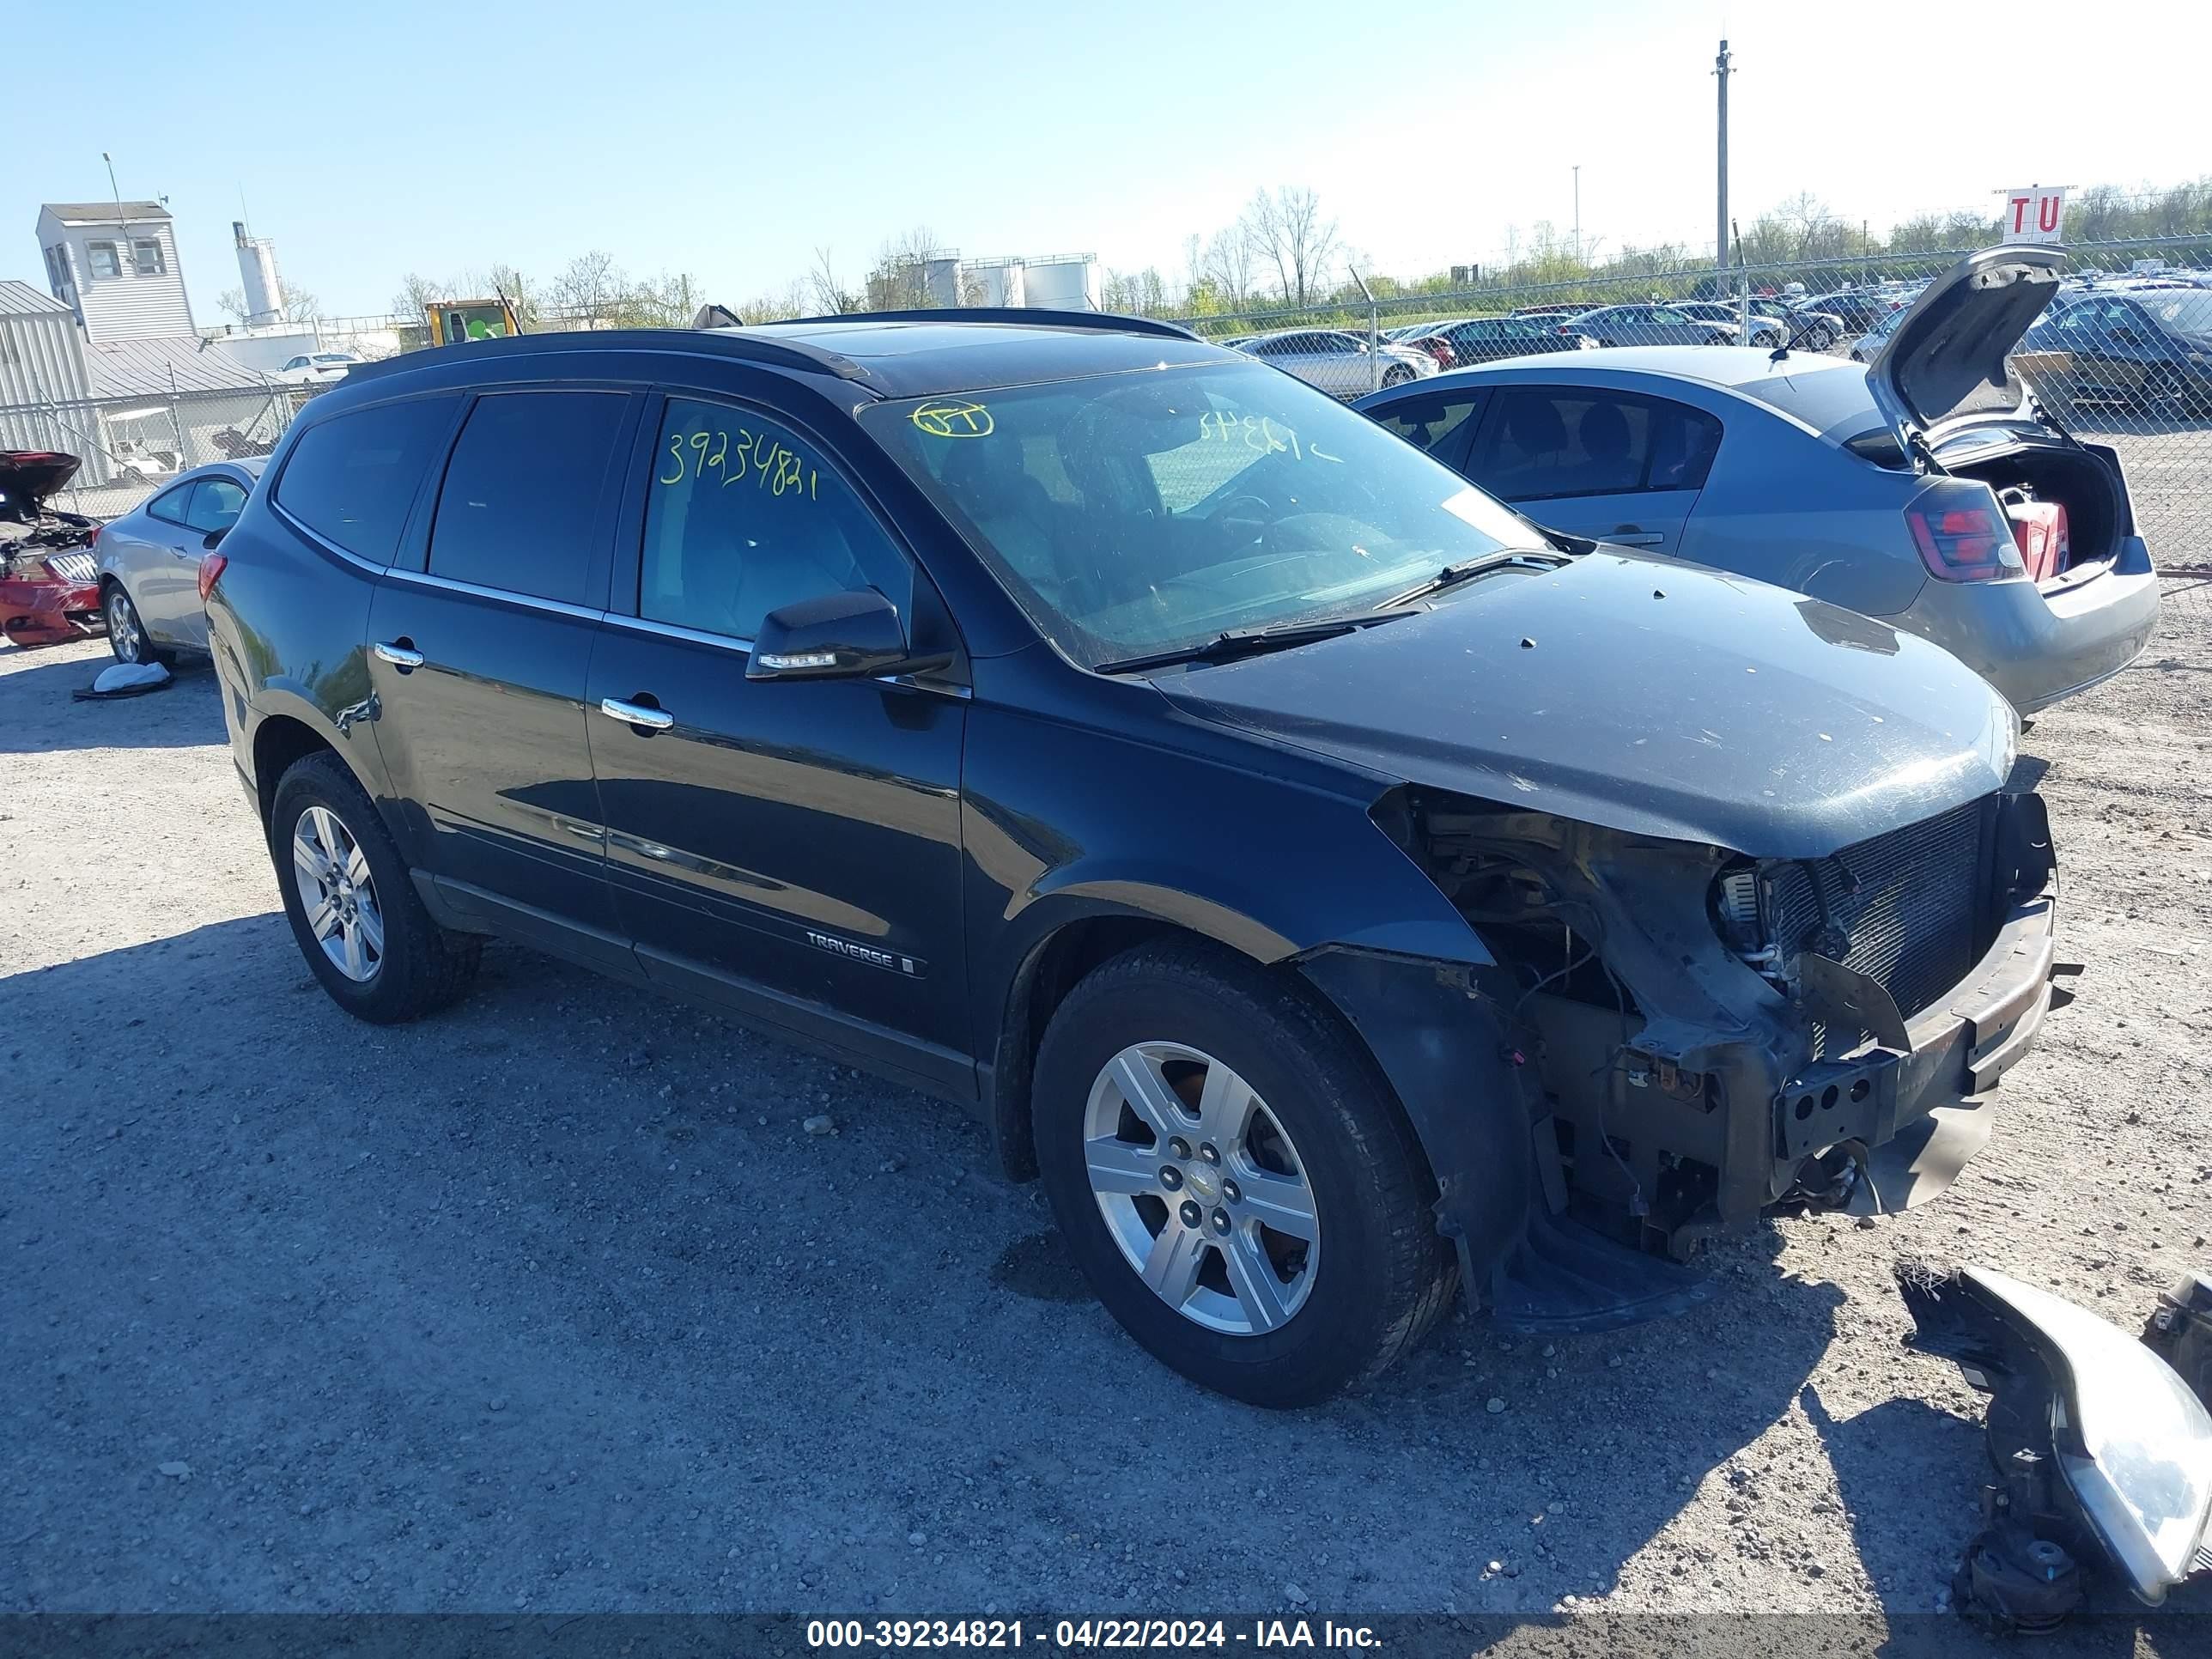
946 419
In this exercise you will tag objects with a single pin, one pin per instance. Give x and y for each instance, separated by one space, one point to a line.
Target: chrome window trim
533 601
677 631
325 542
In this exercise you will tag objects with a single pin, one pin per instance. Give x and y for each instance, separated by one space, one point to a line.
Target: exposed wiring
1637 1205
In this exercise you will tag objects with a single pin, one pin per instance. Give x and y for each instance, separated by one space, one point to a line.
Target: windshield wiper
1452 574
1235 642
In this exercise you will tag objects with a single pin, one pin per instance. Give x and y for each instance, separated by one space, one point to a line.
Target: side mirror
836 636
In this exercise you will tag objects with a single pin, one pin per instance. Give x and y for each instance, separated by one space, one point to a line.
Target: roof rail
736 342
1104 321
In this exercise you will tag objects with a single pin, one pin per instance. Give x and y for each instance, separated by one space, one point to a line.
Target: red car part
47 610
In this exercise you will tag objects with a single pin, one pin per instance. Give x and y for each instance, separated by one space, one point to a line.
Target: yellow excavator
452 321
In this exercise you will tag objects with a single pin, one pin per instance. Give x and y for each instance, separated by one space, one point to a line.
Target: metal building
46 385
114 264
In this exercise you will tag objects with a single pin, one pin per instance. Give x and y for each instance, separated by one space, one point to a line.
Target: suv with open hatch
1333 886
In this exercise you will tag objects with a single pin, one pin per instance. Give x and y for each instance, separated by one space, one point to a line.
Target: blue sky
370 141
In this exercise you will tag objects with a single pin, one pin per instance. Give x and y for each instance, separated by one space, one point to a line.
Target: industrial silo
999 282
1063 281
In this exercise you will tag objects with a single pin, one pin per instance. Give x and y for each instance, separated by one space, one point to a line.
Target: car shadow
38 716
570 1242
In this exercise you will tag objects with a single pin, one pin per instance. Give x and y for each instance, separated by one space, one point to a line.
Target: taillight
212 565
1962 533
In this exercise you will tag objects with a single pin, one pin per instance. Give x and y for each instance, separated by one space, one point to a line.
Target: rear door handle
399 655
1629 536
636 714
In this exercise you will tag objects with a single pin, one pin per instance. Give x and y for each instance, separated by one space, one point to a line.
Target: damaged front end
2102 1451
1702 1036
49 583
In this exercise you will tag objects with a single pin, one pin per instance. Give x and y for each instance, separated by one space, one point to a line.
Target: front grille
1906 909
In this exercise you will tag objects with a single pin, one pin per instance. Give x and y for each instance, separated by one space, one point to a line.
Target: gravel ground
551 1304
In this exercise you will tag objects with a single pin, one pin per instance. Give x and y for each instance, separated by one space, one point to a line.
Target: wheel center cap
1204 1183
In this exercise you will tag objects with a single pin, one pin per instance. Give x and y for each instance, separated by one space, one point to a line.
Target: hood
1955 338
27 476
1727 713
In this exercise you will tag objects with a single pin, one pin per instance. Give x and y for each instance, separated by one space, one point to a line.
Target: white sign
2035 213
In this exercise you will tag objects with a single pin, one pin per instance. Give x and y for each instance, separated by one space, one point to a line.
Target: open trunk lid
1954 338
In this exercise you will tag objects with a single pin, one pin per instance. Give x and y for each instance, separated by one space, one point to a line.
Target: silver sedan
149 561
1339 363
1887 488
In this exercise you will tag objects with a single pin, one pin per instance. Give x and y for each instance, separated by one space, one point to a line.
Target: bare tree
776 307
591 287
1229 256
1287 233
416 292
899 280
831 297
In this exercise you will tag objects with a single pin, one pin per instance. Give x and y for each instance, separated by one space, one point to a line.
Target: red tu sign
2034 214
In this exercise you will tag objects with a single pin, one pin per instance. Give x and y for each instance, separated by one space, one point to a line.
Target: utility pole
1722 70
1578 212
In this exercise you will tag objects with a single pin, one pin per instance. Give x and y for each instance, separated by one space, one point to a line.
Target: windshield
1136 513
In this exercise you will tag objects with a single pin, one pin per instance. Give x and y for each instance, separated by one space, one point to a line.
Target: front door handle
399 653
1629 536
636 714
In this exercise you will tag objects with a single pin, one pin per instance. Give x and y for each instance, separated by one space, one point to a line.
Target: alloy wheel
1202 1189
338 894
129 642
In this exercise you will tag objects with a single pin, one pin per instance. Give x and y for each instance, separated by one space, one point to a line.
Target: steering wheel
1262 519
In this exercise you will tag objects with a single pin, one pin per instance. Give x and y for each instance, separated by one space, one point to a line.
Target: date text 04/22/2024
1089 1635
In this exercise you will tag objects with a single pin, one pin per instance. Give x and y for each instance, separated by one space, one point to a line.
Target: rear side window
216 503
1550 442
744 517
351 478
521 495
171 505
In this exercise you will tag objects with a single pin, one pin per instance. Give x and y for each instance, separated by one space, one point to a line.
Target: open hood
27 476
1955 338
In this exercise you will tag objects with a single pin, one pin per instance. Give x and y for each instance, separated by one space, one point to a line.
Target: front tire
1397 376
1235 1177
354 911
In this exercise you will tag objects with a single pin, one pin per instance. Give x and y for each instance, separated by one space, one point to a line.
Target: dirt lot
550 1302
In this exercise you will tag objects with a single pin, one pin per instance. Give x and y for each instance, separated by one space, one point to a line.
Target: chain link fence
2123 355
129 448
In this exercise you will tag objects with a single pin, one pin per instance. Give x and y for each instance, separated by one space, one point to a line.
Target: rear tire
127 638
1356 1274
353 908
1820 338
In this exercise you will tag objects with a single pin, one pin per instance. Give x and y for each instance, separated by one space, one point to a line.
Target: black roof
891 354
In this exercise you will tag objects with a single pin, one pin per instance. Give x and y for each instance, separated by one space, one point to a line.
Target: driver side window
744 517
